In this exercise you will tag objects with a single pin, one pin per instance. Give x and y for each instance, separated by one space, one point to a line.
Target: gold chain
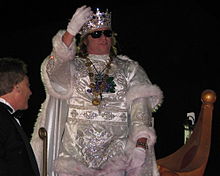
98 81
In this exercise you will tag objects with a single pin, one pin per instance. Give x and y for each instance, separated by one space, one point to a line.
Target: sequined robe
83 138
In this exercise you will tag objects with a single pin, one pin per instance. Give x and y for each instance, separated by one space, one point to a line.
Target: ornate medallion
100 81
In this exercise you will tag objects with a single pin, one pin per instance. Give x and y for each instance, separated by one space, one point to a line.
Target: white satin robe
83 138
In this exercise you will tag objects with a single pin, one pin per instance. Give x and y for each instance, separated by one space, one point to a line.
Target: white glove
79 18
137 158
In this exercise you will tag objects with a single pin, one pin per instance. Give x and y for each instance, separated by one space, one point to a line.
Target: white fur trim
61 50
36 141
69 166
152 91
147 132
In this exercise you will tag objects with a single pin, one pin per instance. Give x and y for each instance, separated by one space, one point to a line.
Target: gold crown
97 20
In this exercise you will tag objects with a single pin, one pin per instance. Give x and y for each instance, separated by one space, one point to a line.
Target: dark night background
176 42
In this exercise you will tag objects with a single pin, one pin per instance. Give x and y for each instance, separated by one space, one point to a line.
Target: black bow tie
17 114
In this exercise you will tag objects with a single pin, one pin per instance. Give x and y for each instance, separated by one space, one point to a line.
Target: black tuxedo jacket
16 155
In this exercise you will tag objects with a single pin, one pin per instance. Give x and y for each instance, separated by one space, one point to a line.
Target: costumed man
98 108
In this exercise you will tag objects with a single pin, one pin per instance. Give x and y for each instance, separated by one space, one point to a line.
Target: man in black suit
16 155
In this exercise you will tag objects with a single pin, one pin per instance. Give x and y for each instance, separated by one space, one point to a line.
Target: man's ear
17 88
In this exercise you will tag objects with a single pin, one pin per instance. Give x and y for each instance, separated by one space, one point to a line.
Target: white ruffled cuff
61 50
151 91
145 132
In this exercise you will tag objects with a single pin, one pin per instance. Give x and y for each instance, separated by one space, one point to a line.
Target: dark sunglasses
97 34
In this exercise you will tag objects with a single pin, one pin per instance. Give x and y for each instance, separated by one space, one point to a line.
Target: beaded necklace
100 81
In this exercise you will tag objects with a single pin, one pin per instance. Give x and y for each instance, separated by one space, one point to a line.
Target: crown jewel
97 20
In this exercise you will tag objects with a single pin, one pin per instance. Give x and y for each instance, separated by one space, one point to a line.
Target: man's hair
82 48
12 72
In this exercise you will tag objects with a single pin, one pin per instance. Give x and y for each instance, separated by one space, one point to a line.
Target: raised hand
79 18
